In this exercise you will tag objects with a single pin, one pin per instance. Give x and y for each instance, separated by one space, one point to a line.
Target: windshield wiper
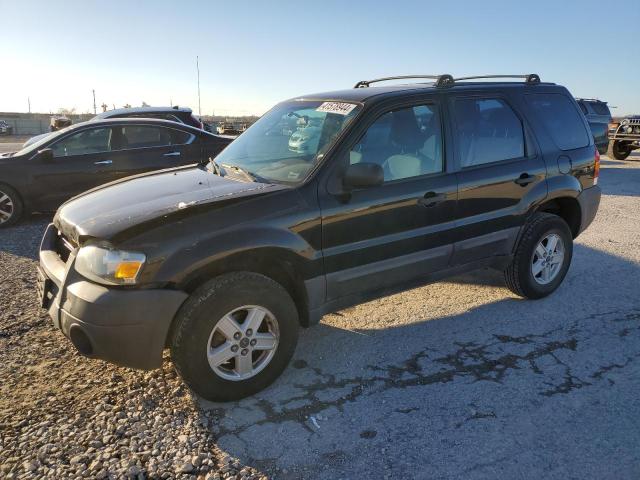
249 175
215 167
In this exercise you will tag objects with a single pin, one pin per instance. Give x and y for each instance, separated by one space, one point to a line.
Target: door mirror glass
363 175
45 155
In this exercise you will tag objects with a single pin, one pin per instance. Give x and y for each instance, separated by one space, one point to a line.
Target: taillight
596 168
613 126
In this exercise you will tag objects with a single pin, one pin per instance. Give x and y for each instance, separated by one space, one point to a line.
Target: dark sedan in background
43 175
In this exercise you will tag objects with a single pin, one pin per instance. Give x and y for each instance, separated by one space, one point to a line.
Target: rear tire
618 150
213 347
535 271
11 206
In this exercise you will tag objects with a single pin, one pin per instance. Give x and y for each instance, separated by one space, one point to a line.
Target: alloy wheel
6 207
243 342
547 259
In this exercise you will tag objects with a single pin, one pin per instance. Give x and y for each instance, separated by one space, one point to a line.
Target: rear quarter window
561 119
600 108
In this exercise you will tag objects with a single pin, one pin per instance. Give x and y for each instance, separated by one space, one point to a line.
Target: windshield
36 145
287 142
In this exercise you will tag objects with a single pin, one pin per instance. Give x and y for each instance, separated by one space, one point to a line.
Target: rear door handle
525 179
172 154
103 162
431 199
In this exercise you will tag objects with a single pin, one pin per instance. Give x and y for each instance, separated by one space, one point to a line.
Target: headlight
108 266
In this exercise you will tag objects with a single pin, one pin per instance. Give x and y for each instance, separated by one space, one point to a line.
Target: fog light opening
80 340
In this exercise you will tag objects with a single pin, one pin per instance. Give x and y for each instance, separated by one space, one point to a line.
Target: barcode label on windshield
336 107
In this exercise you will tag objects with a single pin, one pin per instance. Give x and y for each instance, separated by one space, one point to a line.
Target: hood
159 197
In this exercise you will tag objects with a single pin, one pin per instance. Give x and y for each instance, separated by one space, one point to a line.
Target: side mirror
363 175
45 155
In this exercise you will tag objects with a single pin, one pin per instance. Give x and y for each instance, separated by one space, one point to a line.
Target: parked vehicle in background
231 128
598 115
45 174
405 185
5 128
58 123
624 137
175 114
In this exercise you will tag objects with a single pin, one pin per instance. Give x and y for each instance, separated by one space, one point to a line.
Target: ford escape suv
398 186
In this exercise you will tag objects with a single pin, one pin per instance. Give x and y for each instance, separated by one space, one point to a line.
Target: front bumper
589 200
121 325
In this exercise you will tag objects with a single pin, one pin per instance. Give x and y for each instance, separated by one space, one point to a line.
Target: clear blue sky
256 53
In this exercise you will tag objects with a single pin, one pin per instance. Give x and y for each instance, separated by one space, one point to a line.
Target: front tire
618 150
11 206
234 336
542 257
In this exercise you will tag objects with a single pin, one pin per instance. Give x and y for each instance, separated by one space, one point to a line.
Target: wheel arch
567 208
278 264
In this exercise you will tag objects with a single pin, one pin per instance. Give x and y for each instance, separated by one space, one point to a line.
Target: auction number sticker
340 108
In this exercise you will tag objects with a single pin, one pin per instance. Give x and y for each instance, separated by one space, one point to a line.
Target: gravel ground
459 379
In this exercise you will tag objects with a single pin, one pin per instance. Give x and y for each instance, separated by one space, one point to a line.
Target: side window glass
142 136
178 137
173 118
85 142
583 107
561 119
487 131
406 143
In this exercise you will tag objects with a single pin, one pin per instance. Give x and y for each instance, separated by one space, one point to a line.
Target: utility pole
29 102
94 102
198 68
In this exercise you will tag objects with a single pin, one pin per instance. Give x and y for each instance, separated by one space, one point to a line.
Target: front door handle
172 154
431 199
103 162
525 179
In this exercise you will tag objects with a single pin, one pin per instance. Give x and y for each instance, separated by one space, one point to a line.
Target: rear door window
178 137
488 130
145 136
600 108
561 119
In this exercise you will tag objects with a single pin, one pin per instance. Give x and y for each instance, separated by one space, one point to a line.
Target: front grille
63 246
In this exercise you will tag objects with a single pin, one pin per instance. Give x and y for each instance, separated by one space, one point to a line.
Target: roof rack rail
590 99
440 80
446 80
531 78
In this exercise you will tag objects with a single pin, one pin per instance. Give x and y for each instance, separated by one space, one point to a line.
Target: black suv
394 187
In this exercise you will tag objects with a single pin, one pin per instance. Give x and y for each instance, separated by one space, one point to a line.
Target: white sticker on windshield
340 108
